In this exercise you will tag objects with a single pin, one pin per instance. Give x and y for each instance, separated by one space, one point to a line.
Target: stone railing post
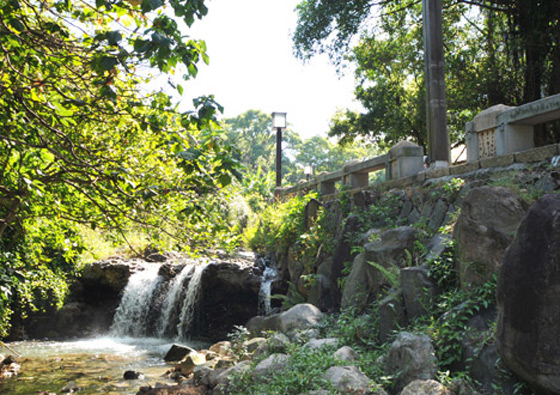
405 159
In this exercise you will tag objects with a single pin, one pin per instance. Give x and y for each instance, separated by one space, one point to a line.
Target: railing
501 130
403 159
498 136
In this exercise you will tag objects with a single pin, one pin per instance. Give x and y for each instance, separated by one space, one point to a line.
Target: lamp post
308 171
279 123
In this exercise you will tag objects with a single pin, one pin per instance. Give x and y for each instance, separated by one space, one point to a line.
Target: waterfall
132 314
172 303
153 305
268 276
190 302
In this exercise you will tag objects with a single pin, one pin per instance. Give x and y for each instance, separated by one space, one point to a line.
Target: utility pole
436 105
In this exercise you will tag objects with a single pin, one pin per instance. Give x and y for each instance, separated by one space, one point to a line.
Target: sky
252 66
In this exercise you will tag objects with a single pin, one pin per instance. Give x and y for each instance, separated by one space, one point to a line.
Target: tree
254 139
492 47
81 144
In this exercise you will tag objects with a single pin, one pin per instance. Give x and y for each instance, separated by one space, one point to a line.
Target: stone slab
465 168
437 172
499 161
536 154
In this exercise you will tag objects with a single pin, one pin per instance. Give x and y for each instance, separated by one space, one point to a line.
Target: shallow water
95 365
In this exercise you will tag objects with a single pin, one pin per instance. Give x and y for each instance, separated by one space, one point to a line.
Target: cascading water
172 303
268 277
153 305
133 311
190 302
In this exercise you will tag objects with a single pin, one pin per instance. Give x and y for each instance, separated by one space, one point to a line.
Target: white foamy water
132 314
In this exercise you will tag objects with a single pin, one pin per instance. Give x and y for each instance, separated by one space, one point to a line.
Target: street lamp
308 171
279 123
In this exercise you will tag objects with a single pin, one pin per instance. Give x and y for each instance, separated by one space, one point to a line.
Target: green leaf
224 180
114 37
180 89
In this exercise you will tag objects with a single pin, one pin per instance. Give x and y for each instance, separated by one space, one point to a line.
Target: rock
320 293
425 387
224 363
302 316
222 348
273 363
391 248
310 212
9 367
315 344
347 379
177 352
194 359
488 221
346 354
410 357
133 375
342 254
229 297
278 343
183 389
113 274
437 246
252 344
10 359
365 282
222 379
70 388
418 290
359 288
438 214
529 298
391 315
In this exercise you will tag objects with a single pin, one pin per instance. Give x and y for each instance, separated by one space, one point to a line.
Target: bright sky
252 66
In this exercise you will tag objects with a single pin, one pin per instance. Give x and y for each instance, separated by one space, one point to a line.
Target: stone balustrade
404 159
497 137
502 130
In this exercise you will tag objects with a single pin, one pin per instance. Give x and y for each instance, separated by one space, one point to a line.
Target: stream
154 312
95 365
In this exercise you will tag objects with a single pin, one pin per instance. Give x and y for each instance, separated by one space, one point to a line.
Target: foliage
280 226
252 135
493 54
302 372
237 337
80 143
447 322
292 297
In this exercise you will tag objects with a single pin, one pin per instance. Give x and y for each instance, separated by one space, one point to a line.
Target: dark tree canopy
494 54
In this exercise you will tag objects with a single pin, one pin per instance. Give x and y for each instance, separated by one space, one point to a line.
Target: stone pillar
482 134
327 188
406 159
359 180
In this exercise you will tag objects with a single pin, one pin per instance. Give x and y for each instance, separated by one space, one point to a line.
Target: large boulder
529 298
230 294
487 224
425 387
411 357
302 316
347 379
365 282
418 290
